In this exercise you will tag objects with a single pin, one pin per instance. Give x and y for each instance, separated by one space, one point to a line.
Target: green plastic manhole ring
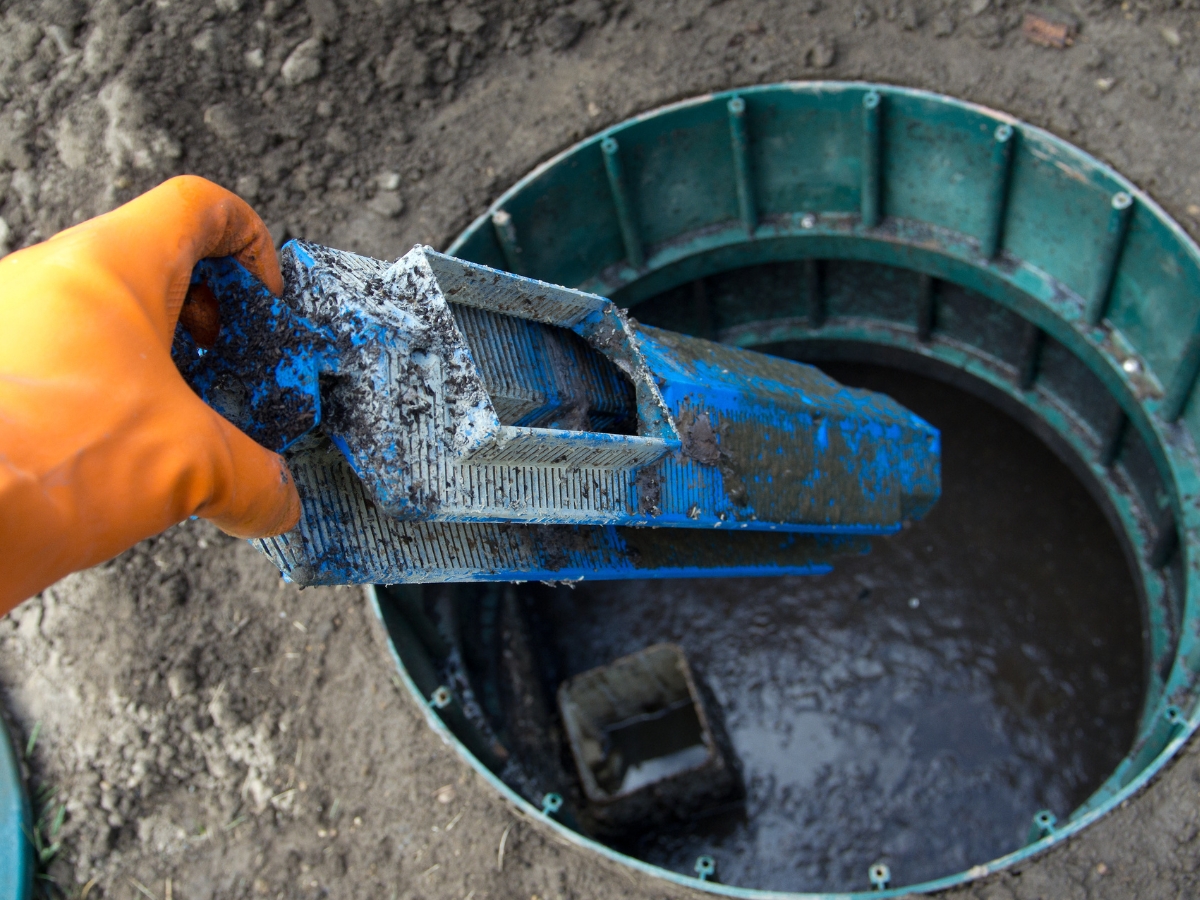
16 849
1090 267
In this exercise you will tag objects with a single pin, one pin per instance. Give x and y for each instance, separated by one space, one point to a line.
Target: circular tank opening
921 703
917 707
983 684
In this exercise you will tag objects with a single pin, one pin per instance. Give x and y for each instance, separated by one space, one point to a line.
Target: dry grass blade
142 888
500 852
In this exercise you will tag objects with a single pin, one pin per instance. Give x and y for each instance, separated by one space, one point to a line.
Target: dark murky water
921 703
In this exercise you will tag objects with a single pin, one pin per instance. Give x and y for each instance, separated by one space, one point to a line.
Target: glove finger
254 494
215 222
229 228
152 243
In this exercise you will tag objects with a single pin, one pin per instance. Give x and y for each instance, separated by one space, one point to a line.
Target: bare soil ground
213 732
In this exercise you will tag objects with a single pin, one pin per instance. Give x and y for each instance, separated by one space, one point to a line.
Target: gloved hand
102 443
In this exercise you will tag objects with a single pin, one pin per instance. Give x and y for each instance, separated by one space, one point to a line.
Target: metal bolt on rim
880 876
1084 273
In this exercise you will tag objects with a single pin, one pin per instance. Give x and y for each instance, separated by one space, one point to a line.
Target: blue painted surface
270 387
16 852
432 392
816 456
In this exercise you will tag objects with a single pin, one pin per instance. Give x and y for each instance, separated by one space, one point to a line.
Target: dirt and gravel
213 732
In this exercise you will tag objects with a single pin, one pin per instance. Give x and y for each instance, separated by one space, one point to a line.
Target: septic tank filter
1004 261
447 421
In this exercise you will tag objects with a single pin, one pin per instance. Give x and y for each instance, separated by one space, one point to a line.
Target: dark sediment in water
921 703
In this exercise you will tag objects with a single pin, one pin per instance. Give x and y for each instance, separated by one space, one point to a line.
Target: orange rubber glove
102 443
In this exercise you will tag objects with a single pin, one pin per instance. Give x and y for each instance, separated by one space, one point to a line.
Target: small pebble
247 187
1171 36
465 20
203 42
943 24
823 53
561 30
304 63
388 204
914 602
1104 85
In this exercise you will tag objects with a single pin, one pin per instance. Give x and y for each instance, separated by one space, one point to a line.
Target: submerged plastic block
644 744
425 403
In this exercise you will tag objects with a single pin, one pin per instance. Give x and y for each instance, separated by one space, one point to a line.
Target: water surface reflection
918 705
